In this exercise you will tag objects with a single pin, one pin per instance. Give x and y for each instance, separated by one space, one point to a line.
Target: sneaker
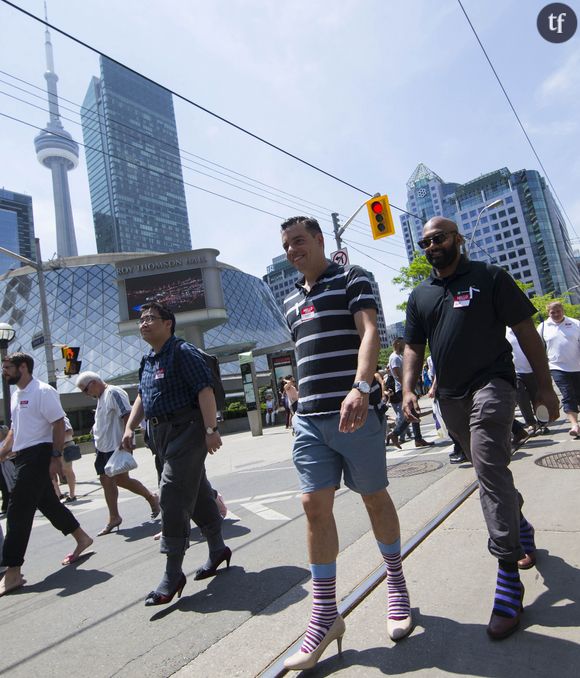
457 458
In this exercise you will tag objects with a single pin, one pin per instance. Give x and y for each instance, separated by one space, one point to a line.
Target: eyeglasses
148 319
86 388
436 239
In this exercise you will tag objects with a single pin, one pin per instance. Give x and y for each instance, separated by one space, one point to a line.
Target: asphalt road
88 619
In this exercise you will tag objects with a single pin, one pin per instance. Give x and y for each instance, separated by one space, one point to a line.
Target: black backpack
214 367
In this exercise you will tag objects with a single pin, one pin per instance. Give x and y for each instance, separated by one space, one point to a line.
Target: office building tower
57 150
16 228
507 218
281 278
133 163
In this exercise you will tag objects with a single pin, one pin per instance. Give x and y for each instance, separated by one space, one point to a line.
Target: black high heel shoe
204 573
155 598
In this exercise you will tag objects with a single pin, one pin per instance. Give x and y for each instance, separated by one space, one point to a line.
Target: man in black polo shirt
462 310
340 428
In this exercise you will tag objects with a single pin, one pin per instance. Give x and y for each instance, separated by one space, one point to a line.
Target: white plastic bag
442 429
121 461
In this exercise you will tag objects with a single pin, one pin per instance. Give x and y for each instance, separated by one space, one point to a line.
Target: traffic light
380 217
71 354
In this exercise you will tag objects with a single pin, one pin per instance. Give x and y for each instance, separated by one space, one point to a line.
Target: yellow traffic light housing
380 217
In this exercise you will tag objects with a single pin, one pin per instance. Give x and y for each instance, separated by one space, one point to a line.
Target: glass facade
16 228
525 234
83 309
133 162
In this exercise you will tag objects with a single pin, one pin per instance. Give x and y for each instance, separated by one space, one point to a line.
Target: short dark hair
164 312
19 358
311 225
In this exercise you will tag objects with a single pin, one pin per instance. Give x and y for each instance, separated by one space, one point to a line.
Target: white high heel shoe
399 628
307 660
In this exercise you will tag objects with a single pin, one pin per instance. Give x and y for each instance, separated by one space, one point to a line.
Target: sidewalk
451 578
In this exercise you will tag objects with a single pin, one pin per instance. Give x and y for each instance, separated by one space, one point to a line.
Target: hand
411 407
55 467
213 441
549 398
128 441
353 411
431 392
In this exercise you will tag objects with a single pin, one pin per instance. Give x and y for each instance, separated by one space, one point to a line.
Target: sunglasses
437 239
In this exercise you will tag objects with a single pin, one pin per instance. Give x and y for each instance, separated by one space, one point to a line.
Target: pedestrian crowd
485 355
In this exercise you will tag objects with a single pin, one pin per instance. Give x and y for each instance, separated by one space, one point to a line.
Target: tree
413 274
541 303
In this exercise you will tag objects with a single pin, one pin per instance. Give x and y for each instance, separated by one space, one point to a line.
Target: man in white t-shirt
111 415
561 336
37 439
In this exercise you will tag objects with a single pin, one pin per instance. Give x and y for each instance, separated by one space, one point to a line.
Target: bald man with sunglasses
462 310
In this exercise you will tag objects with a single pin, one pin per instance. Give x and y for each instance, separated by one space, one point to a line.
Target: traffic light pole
37 266
338 229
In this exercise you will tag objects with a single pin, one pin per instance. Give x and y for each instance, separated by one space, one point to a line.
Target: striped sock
397 595
508 590
324 610
527 536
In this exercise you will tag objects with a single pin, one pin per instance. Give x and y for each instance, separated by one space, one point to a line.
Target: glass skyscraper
16 228
525 233
133 162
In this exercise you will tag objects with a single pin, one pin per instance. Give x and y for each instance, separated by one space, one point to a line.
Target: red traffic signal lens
377 207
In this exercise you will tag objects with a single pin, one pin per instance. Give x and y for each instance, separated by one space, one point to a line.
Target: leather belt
172 416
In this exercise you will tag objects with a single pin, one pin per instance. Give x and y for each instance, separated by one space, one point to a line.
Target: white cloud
563 82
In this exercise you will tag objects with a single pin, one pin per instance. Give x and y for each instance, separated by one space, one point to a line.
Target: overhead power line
191 102
503 89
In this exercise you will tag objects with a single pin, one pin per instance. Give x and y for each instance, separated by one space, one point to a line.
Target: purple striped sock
324 609
508 593
527 536
397 595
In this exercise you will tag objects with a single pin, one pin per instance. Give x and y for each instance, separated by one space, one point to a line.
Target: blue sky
364 89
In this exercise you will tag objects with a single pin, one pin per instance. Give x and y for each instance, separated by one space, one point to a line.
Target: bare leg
83 542
111 496
383 515
573 419
321 534
70 477
133 485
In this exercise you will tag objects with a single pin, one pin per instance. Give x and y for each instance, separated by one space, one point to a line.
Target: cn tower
57 150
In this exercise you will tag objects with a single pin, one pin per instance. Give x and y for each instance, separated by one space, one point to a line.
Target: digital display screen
179 290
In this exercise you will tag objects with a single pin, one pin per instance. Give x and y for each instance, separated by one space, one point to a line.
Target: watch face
362 386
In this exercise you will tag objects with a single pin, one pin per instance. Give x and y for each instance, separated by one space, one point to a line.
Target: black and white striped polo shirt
325 336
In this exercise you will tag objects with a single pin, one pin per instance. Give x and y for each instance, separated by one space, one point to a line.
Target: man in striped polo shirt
340 428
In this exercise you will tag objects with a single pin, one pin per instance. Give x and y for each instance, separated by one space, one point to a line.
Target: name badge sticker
160 373
461 299
23 404
307 313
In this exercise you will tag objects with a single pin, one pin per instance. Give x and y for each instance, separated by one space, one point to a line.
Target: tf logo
557 22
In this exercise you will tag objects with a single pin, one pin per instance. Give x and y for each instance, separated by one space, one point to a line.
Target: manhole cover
564 460
413 468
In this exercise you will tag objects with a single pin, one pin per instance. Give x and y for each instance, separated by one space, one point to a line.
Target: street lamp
37 266
7 334
495 203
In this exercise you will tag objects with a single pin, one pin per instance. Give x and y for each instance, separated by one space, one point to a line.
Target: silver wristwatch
362 386
210 429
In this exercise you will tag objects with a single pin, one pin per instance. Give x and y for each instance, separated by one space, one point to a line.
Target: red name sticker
462 299
160 373
308 312
24 403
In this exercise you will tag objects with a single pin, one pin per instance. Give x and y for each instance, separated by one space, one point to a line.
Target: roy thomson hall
93 304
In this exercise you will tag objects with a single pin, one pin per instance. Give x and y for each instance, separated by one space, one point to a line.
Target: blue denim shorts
322 454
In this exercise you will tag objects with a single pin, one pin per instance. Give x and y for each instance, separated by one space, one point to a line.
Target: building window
493 216
512 255
527 274
519 241
504 224
502 257
507 234
524 262
508 199
473 213
515 265
511 210
514 220
498 236
501 213
521 252
517 276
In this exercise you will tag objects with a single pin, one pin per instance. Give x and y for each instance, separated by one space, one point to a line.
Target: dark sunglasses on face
436 239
